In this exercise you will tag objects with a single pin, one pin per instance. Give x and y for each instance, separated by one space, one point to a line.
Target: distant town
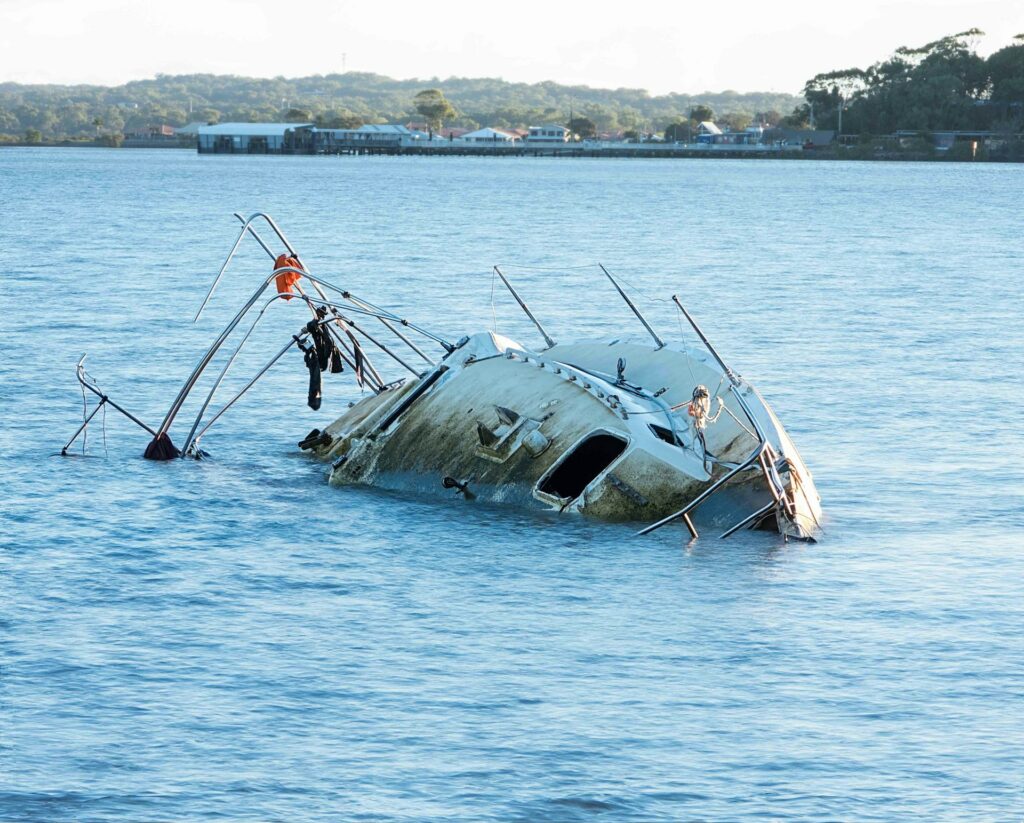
418 137
941 100
701 139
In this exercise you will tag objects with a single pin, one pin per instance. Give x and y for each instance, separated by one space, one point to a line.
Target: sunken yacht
625 429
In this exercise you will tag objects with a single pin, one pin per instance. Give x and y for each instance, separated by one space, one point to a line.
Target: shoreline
864 153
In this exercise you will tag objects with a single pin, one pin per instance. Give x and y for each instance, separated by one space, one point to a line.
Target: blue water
234 640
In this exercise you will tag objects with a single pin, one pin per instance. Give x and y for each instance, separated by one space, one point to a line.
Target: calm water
235 640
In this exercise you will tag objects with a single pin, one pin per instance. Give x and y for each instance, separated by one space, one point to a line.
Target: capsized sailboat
623 429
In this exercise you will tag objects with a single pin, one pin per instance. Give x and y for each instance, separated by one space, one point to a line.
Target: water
235 640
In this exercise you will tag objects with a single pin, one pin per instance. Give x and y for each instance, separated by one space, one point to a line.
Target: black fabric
321 342
315 384
161 448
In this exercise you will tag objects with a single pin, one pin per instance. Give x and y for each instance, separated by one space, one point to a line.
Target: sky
658 45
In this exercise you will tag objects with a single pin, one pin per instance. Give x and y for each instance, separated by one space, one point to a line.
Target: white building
489 135
548 134
708 129
248 138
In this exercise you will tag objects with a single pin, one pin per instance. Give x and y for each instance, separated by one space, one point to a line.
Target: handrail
295 339
219 341
704 495
750 519
346 294
104 400
231 359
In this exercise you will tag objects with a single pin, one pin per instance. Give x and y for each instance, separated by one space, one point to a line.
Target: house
161 132
151 137
750 136
707 132
253 138
491 136
369 136
373 137
548 134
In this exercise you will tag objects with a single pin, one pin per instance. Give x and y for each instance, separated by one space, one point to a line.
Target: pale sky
661 46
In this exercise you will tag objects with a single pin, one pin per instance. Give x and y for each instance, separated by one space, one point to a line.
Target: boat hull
562 430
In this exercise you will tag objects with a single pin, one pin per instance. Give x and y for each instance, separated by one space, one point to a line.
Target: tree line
940 86
53 112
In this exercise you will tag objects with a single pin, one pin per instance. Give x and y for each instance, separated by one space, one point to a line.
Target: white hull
560 430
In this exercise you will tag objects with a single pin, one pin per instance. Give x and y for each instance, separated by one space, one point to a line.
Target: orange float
286 279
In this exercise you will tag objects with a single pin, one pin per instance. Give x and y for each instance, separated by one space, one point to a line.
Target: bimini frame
337 319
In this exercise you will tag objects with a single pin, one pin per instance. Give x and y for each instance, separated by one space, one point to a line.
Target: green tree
701 112
338 119
736 121
799 118
8 122
434 107
583 126
679 131
1006 72
33 136
297 116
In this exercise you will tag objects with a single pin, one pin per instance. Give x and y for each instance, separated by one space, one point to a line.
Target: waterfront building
707 132
490 136
253 138
548 134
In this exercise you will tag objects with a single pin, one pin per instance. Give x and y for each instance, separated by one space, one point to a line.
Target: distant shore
865 152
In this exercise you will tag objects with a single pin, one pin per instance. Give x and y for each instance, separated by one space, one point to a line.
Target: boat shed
253 138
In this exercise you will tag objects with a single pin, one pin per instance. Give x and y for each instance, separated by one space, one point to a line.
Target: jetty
539 141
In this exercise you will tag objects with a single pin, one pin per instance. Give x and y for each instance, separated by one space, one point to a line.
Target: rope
548 268
85 413
494 313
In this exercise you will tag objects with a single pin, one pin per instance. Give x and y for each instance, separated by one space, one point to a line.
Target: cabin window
665 434
582 465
